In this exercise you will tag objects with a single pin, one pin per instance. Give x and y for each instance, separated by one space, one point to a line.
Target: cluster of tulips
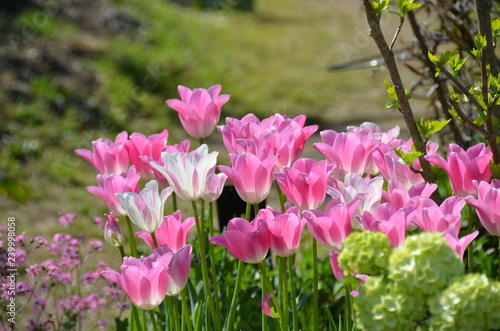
370 189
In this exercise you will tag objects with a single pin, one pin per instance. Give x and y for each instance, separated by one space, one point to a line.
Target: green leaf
480 43
428 127
392 94
379 6
481 118
405 6
495 28
456 63
407 158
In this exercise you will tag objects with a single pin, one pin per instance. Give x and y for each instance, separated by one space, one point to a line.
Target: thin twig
398 30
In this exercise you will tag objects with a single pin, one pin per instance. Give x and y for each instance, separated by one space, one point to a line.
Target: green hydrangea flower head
381 306
471 302
424 264
365 252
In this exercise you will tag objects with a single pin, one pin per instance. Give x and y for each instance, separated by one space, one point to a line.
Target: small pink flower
463 167
145 280
487 205
109 185
139 146
247 241
199 109
173 233
332 226
305 183
251 176
66 219
266 305
107 157
284 230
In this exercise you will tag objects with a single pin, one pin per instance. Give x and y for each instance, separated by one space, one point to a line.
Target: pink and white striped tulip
146 208
215 185
145 280
247 241
305 182
463 167
112 233
199 109
188 173
173 232
107 157
109 185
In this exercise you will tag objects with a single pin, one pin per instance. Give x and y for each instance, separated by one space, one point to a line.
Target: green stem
293 292
155 242
175 313
247 211
315 286
174 201
204 268
284 292
255 209
135 317
470 248
145 320
264 318
153 320
122 251
348 307
269 289
234 301
131 238
211 252
185 311
282 198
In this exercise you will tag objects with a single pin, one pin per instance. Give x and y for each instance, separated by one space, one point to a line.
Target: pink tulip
459 245
146 208
430 217
247 241
145 280
334 262
112 233
173 232
487 205
332 226
107 157
367 131
199 109
252 177
109 185
388 162
215 185
347 150
463 167
284 230
139 146
178 268
368 190
399 196
305 183
276 135
183 147
187 173
388 221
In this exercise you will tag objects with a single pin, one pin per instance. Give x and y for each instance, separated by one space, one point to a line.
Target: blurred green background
74 71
